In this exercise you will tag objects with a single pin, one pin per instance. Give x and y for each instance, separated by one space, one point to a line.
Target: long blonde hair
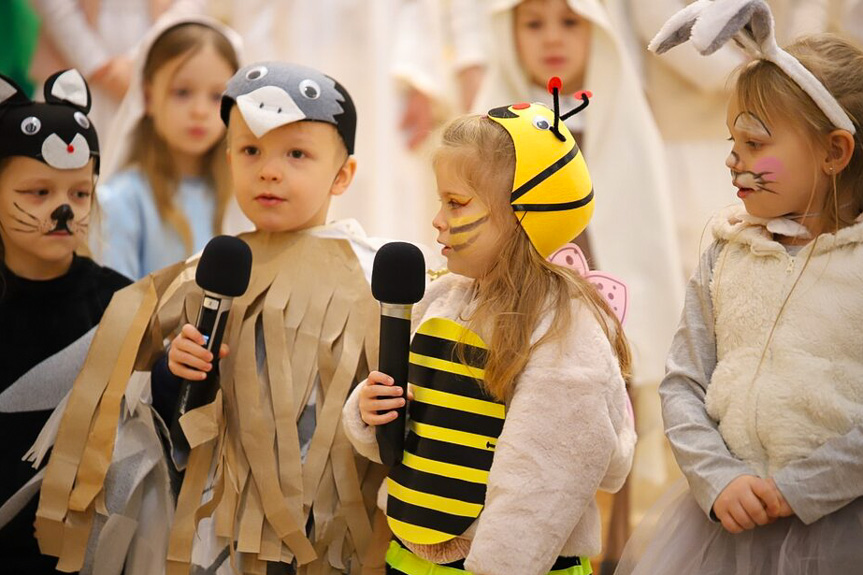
762 87
522 287
150 152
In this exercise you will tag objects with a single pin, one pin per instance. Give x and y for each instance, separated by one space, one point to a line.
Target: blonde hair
150 152
521 287
762 87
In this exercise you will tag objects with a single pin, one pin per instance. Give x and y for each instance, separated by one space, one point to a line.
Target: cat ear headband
56 131
709 24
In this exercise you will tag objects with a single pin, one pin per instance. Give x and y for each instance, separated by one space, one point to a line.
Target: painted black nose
62 214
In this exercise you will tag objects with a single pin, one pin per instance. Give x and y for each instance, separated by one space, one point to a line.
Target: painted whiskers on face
756 133
466 230
755 180
61 220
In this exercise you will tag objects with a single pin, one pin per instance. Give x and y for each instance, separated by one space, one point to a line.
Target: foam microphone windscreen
398 275
225 266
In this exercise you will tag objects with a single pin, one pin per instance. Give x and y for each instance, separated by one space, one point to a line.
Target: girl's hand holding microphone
380 394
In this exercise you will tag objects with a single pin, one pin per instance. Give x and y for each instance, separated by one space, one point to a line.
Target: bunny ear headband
711 23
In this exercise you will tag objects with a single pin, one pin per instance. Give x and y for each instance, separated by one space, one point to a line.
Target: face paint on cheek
23 221
465 231
769 167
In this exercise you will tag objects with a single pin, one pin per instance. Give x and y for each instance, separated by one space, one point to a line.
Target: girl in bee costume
518 411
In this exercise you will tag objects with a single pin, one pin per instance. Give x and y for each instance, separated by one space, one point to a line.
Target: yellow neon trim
436 502
448 366
417 534
459 402
406 562
453 436
445 469
448 329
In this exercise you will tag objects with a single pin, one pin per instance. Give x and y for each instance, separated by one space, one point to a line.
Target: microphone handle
393 360
211 322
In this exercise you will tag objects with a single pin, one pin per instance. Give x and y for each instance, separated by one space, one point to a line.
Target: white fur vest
779 405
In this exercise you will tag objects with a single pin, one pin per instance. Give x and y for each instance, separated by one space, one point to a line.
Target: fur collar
735 225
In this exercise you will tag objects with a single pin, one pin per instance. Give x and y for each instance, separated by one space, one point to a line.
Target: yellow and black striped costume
439 488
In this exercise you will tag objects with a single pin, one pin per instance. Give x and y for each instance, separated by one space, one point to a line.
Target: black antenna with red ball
554 87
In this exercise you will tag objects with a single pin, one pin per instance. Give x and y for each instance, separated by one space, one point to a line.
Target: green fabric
19 29
405 562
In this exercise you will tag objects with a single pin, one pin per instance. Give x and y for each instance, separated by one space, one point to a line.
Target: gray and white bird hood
273 94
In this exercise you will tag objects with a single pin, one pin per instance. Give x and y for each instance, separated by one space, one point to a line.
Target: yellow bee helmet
552 194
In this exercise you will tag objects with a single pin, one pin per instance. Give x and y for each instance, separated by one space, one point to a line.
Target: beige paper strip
257 435
83 400
194 482
75 538
348 485
202 424
251 523
331 413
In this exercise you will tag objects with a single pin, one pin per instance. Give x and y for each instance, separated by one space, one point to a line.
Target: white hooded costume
632 230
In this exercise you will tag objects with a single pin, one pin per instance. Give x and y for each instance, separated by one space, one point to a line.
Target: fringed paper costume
291 335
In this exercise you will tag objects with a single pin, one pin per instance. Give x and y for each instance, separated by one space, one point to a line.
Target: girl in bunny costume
763 402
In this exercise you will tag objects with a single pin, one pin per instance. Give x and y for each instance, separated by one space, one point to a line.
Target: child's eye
216 97
453 204
249 151
39 193
570 22
754 145
533 24
81 194
181 92
297 154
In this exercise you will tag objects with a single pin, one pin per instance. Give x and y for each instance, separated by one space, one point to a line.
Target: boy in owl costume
270 471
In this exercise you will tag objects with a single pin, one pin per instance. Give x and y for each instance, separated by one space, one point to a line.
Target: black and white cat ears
709 24
67 87
57 131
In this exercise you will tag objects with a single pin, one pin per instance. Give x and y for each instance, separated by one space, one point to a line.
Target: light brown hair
521 287
150 152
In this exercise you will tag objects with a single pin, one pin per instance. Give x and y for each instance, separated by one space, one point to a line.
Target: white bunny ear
749 22
678 28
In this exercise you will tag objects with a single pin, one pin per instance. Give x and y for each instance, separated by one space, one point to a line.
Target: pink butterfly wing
570 256
613 290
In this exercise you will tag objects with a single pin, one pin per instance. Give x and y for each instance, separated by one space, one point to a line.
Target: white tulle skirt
676 537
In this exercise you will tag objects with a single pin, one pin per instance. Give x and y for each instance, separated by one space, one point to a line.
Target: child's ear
840 149
344 177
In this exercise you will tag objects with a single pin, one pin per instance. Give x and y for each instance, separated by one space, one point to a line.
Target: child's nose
733 160
439 223
270 172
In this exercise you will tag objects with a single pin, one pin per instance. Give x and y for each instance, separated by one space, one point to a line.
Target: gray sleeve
695 440
827 479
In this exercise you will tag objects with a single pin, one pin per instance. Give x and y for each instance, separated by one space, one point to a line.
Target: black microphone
223 273
398 282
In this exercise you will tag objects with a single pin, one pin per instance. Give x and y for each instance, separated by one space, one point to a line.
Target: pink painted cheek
772 166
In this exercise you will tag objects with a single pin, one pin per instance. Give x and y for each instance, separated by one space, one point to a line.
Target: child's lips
555 60
269 200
